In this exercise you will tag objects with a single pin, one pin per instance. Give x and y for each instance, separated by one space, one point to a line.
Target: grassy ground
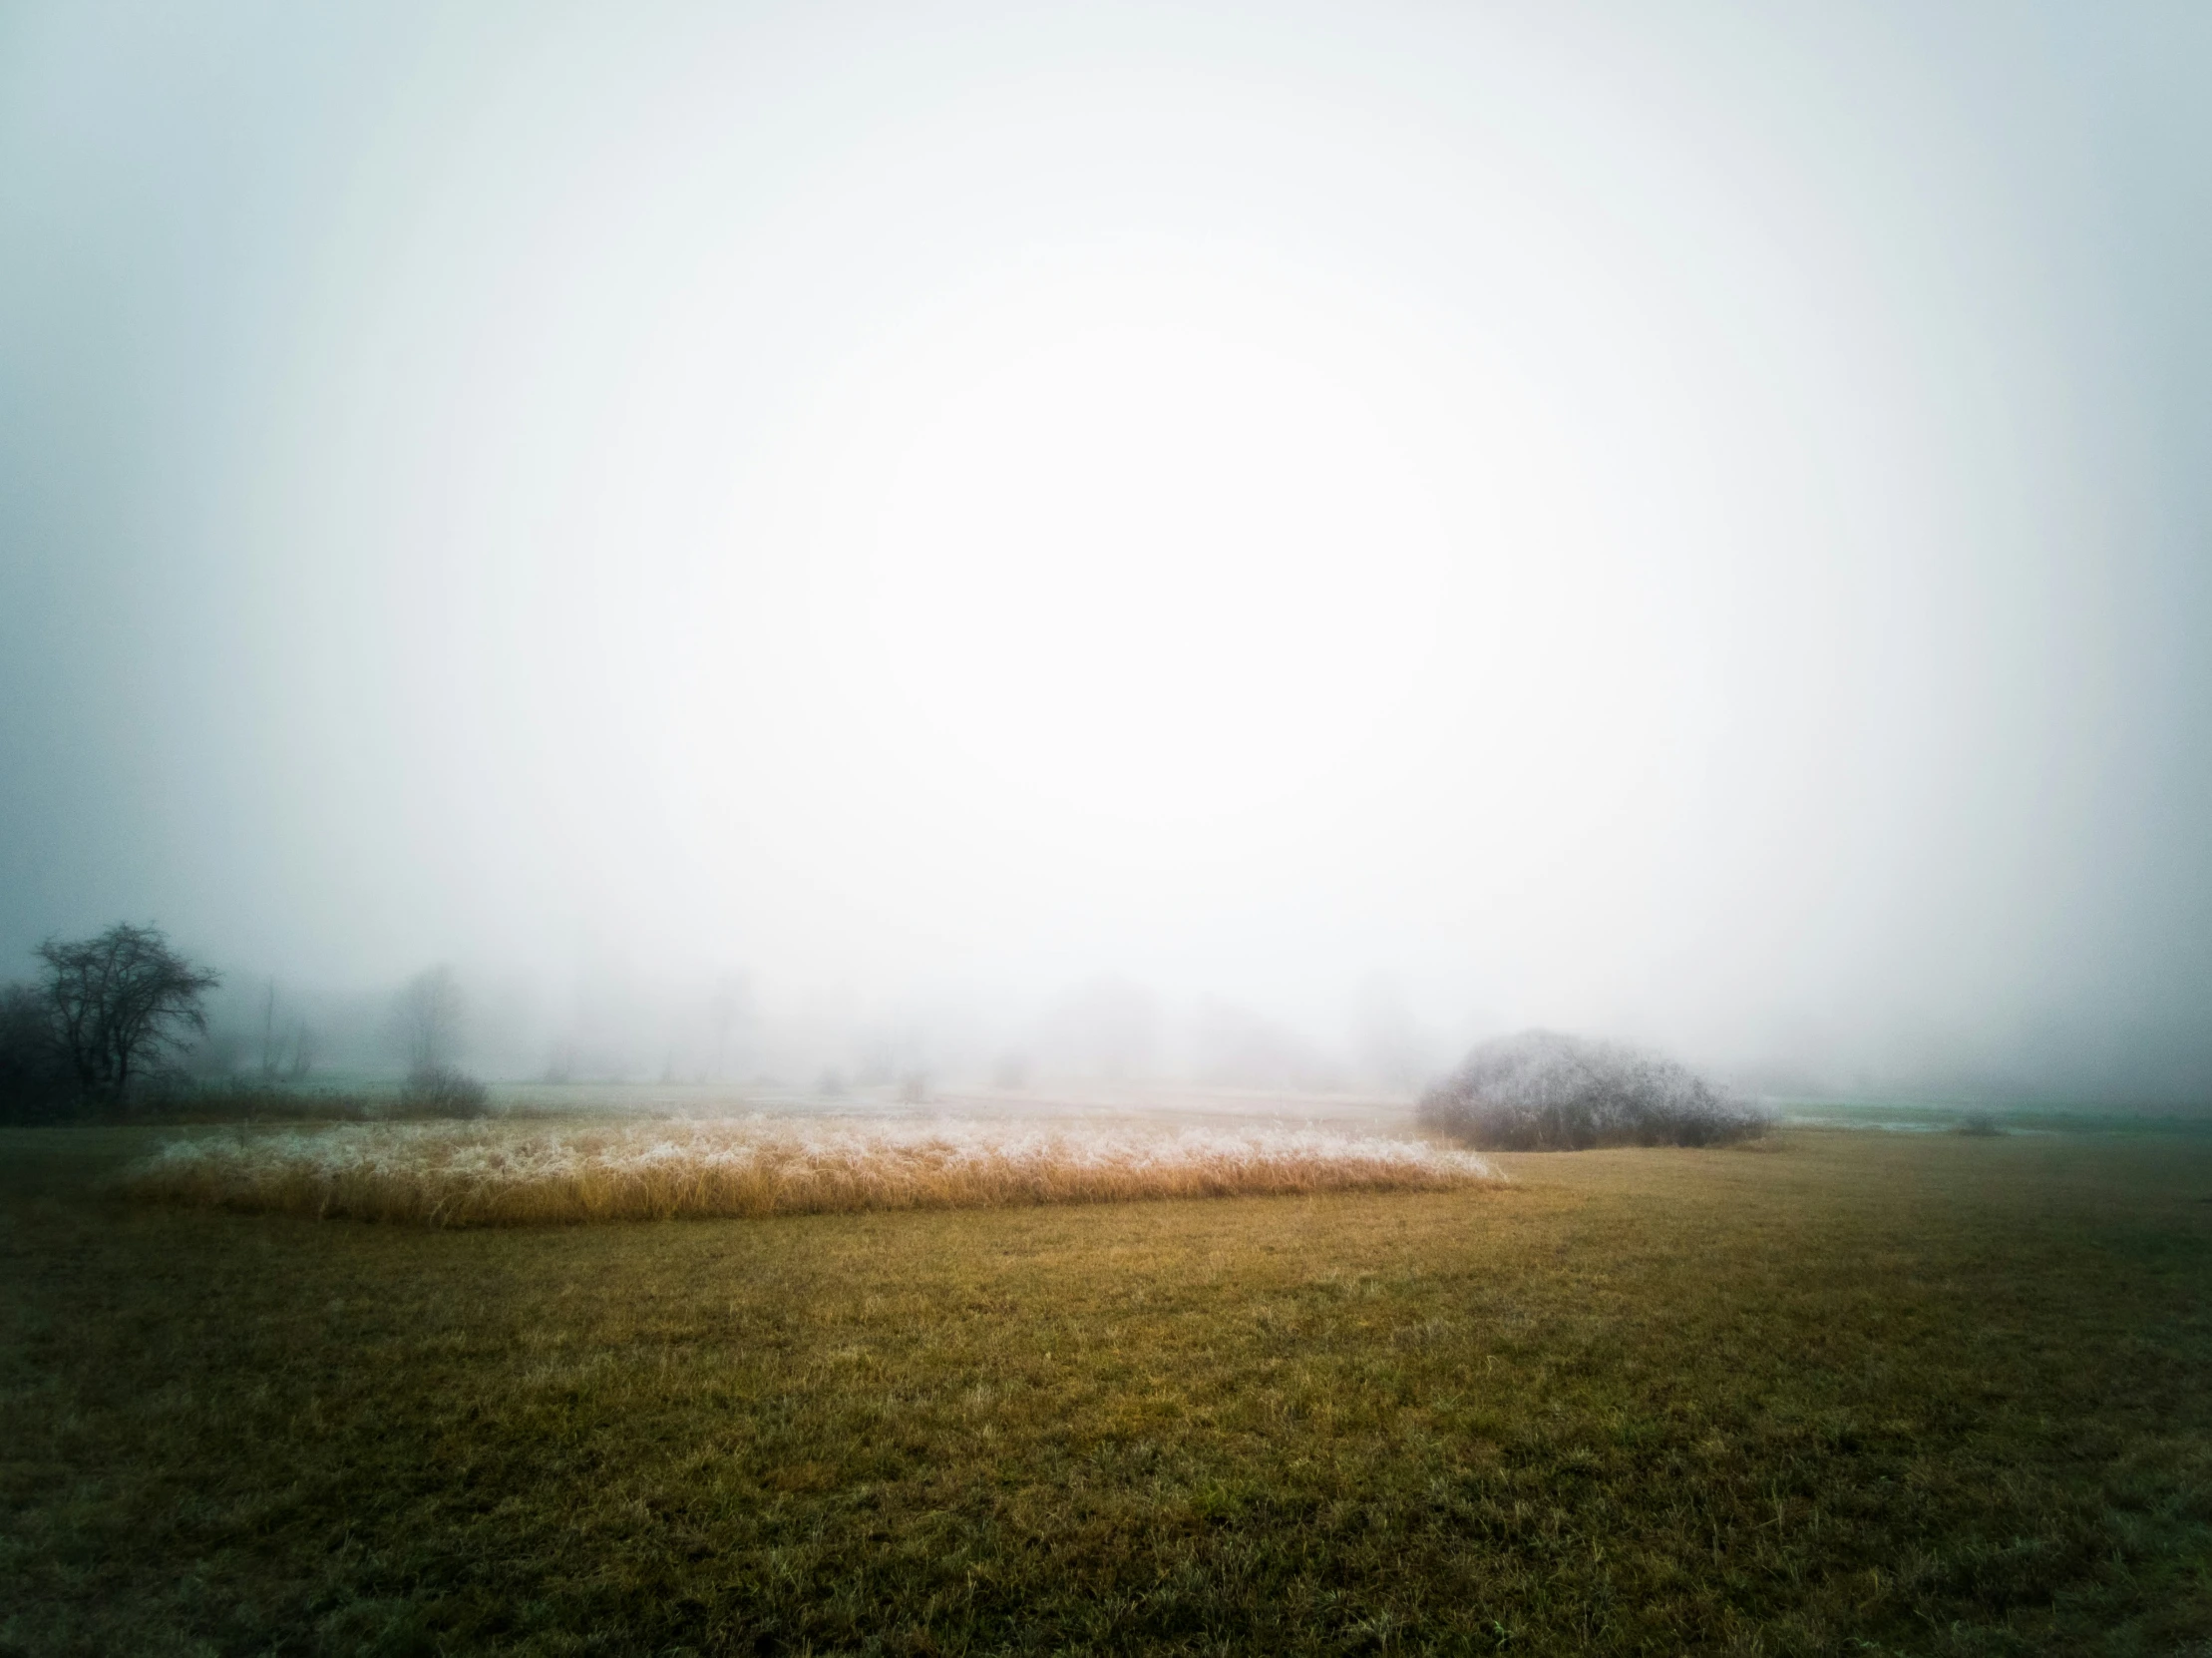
1841 1392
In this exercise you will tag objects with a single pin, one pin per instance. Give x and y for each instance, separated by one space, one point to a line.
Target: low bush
35 1083
1544 1091
233 1100
442 1091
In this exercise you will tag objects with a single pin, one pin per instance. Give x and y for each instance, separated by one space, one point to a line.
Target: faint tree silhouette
287 1050
427 1018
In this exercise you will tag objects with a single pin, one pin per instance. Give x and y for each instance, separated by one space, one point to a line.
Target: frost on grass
1543 1092
452 1174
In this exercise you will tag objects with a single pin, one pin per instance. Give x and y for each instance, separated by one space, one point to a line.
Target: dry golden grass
449 1174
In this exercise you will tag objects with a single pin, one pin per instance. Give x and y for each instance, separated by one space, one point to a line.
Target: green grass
1838 1393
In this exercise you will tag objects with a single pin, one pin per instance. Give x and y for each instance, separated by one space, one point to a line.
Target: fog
1246 544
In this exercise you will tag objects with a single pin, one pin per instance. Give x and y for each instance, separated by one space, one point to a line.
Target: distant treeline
104 1027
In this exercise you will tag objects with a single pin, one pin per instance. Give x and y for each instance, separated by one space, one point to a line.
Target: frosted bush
1543 1092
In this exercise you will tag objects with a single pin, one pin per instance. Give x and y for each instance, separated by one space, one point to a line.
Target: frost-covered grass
1544 1091
453 1175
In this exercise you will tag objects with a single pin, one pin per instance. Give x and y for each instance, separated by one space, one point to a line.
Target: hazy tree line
120 1021
123 1022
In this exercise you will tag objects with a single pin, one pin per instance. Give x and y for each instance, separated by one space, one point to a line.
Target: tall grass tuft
503 1174
1543 1092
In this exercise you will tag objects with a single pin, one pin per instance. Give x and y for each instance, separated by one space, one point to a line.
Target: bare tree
120 1001
427 1018
301 1058
729 1009
288 1052
268 1035
1390 1046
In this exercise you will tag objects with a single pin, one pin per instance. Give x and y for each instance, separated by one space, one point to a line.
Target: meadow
1829 1392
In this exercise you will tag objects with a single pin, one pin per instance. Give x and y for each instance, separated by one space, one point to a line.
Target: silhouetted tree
118 1003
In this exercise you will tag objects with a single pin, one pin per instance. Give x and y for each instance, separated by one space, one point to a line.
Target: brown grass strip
508 1175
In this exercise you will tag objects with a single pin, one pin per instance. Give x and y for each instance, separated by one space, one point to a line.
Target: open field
1833 1393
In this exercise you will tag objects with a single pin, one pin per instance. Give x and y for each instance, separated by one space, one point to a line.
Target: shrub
35 1081
442 1091
229 1100
1543 1092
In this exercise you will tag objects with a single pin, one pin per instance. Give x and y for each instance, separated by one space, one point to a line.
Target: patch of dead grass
502 1175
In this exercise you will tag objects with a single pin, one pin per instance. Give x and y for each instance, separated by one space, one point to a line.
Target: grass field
1836 1393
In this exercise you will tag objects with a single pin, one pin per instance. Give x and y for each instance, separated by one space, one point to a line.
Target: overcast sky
1691 521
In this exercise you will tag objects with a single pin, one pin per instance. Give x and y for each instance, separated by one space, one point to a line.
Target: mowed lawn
1839 1393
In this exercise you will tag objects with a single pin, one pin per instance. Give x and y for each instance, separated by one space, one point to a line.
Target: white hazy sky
1681 520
